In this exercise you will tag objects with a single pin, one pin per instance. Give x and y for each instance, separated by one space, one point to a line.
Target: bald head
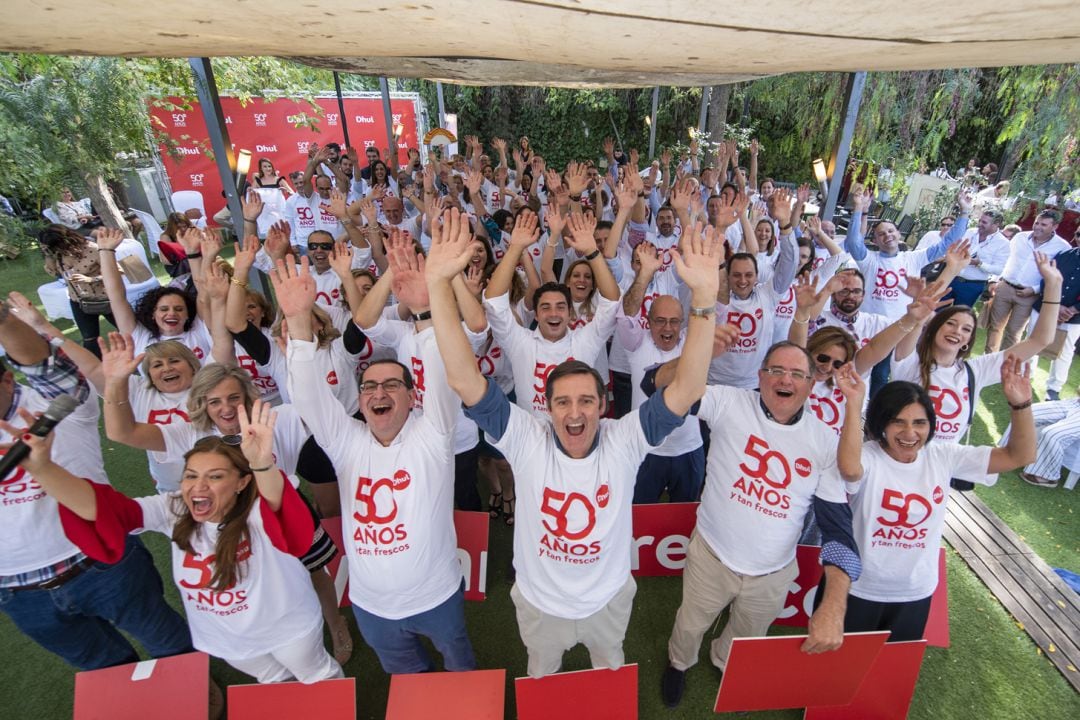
393 209
665 322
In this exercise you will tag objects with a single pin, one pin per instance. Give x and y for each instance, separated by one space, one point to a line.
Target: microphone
59 408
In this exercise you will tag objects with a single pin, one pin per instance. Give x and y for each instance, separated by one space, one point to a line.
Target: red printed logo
911 509
767 462
745 322
938 495
401 480
331 378
165 417
603 494
573 515
376 501
802 467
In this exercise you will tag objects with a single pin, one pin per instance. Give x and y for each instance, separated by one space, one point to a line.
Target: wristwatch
705 312
417 317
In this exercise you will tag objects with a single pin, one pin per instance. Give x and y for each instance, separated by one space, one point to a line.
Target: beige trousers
547 637
709 586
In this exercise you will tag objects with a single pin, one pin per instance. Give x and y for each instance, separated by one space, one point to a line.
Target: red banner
472 538
268 130
661 537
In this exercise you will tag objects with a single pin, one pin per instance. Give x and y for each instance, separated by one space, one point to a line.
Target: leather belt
60 580
1015 285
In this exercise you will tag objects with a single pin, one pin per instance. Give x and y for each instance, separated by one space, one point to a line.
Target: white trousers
304 659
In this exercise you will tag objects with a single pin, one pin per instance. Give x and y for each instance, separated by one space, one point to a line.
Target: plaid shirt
54 376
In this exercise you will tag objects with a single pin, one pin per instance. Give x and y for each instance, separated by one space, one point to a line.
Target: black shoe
672 686
1052 395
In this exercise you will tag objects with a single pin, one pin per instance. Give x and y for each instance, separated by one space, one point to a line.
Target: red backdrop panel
268 130
774 674
887 690
326 700
584 695
476 695
172 688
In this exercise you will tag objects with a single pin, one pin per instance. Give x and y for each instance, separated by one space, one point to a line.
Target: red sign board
176 688
661 537
326 700
886 692
475 695
774 673
268 130
583 695
472 537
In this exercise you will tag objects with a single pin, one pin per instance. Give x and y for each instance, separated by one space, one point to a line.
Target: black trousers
89 326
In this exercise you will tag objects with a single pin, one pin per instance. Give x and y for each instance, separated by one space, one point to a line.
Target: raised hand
244 255
22 308
526 230
780 206
499 144
803 193
581 237
729 213
370 211
452 247
754 146
257 434
724 336
965 202
633 155
251 204
293 286
1048 269
277 240
408 283
680 195
118 360
337 204
807 298
626 196
109 238
341 258
538 167
665 157
1016 380
814 224
209 245
648 259
40 456
860 200
429 178
609 147
958 256
698 259
215 282
474 279
556 220
928 302
474 181
850 384
577 178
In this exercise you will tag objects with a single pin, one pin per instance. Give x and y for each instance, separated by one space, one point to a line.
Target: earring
963 348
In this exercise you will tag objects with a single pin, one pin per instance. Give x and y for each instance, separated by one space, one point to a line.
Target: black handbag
90 303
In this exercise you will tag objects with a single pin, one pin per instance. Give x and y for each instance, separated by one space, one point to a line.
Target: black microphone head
61 407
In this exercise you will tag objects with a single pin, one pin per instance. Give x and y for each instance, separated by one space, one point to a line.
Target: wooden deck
1047 608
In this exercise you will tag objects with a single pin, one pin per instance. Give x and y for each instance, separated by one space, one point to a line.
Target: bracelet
1021 406
263 469
552 244
702 312
906 330
116 402
250 220
239 282
592 256
1051 302
112 250
194 255
797 321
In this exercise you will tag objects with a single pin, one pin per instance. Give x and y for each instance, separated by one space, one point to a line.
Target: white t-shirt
683 439
197 339
31 536
865 327
308 214
398 501
271 605
898 515
760 480
262 376
572 536
949 390
886 279
829 405
158 408
533 358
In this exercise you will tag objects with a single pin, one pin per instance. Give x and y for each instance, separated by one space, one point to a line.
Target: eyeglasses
781 372
369 386
666 322
848 292
837 364
320 246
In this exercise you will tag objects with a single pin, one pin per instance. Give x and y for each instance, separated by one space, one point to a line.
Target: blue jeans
965 292
682 476
880 375
78 620
397 642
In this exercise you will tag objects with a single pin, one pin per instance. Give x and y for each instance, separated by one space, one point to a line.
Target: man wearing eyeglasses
845 311
770 461
678 464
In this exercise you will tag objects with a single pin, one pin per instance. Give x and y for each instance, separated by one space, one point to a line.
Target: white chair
51 216
184 200
54 296
153 229
54 299
135 291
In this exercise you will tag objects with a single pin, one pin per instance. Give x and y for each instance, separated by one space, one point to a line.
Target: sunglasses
320 246
837 364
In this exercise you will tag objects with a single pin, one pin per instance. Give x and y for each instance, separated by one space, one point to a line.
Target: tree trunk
718 107
101 198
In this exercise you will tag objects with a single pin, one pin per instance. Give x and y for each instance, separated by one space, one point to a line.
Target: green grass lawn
992 670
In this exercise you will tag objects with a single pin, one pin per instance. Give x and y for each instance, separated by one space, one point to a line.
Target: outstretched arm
1020 450
107 241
